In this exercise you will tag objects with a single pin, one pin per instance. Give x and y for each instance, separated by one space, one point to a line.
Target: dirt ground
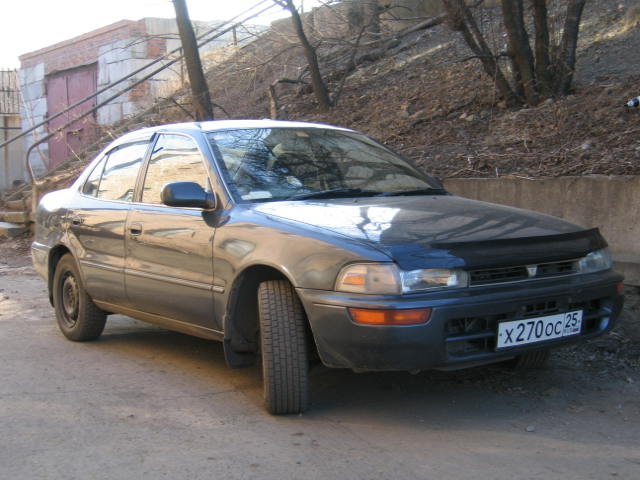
146 403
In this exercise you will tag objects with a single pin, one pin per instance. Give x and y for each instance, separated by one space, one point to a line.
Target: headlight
387 279
433 278
596 261
373 278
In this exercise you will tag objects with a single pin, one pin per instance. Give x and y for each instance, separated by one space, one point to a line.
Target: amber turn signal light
367 316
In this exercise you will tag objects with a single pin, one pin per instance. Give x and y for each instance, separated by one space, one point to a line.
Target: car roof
218 125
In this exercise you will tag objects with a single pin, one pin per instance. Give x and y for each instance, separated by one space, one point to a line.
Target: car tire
79 319
283 343
535 359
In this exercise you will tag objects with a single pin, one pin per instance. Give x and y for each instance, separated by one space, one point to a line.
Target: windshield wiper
419 191
341 192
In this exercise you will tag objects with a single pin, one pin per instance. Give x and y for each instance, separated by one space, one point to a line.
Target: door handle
135 229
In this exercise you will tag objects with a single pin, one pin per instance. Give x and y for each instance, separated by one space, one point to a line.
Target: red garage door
63 89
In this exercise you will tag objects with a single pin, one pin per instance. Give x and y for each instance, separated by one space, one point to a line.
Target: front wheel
79 319
285 357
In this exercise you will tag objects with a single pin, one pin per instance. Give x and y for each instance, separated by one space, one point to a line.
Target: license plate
540 329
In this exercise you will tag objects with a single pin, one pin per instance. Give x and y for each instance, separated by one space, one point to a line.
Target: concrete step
12 216
11 229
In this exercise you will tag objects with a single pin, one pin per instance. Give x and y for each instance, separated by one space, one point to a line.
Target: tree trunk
203 109
540 20
319 88
534 77
566 60
519 49
273 102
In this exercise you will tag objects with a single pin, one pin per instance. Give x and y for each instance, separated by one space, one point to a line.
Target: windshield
269 164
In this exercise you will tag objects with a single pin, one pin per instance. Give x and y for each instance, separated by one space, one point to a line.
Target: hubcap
70 299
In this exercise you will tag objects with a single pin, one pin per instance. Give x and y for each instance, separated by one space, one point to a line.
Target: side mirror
187 195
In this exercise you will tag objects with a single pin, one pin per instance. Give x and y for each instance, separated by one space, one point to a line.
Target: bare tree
319 87
203 108
544 71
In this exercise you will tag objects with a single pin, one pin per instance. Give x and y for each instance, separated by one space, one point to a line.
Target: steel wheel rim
70 299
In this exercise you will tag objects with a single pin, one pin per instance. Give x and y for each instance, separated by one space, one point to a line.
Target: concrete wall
117 59
611 203
118 49
33 111
11 155
403 13
10 170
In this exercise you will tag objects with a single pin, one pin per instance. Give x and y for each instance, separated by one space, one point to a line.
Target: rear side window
175 158
118 179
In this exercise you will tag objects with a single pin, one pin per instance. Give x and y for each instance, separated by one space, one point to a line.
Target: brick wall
81 50
139 92
156 47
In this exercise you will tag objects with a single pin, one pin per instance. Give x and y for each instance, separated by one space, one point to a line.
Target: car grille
490 276
472 336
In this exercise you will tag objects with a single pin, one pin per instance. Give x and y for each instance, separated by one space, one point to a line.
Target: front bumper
463 325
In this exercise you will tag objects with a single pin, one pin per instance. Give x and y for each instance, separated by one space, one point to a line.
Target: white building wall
11 159
120 58
33 111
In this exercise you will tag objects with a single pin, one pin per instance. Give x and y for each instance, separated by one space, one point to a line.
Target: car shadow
482 396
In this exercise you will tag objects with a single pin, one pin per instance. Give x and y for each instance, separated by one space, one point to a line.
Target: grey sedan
296 243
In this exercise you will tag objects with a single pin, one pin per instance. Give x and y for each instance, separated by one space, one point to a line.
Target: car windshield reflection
268 164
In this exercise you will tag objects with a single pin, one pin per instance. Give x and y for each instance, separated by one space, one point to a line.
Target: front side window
118 179
296 163
175 158
92 183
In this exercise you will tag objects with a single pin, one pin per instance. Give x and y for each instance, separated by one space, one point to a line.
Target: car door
169 264
97 221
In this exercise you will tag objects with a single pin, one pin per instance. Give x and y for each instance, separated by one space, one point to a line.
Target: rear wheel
78 317
285 357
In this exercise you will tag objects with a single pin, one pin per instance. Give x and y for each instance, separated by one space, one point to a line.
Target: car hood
443 230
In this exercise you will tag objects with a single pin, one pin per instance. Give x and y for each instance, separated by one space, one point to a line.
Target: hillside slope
423 100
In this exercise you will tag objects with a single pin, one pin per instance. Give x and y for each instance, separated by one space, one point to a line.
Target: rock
492 141
530 428
11 229
405 110
586 145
